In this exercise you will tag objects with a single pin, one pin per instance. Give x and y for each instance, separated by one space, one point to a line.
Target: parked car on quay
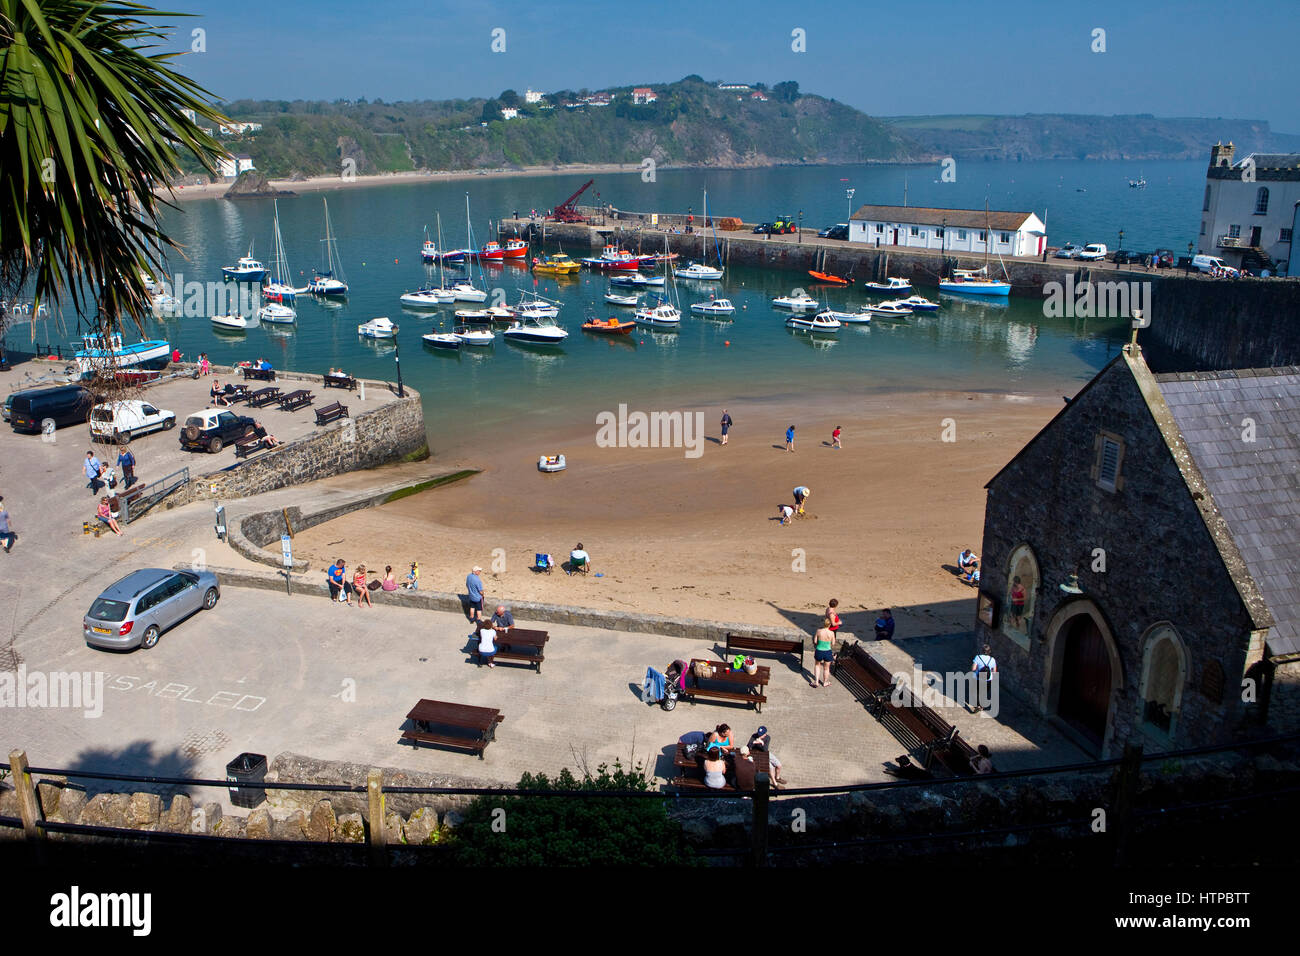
1126 257
213 428
135 611
119 422
763 228
1092 252
1067 251
32 408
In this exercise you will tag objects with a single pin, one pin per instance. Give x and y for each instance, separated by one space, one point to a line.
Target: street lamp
801 225
943 244
1188 268
850 191
1121 240
397 359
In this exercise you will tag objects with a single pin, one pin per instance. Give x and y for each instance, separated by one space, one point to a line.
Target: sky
1190 58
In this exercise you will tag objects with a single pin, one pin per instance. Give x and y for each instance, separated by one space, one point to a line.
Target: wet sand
699 537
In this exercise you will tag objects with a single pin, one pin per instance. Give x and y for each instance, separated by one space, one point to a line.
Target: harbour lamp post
850 193
397 359
1188 268
1121 241
943 243
801 225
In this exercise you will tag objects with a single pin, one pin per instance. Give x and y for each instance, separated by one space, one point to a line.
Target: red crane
567 210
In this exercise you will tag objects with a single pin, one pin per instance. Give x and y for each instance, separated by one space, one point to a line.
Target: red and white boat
612 257
516 249
491 251
429 251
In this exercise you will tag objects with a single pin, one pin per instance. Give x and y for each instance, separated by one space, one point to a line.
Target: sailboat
331 281
428 296
699 270
662 314
280 289
977 281
467 291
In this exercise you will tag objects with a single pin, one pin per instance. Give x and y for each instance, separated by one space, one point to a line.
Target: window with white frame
916 230
961 235
1261 201
983 236
1004 238
1234 232
938 233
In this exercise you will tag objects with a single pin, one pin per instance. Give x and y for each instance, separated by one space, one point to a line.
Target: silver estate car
137 609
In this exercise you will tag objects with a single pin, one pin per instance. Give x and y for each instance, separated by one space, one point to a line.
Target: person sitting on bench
744 771
908 770
487 647
268 440
885 625
762 740
715 769
503 620
720 739
105 515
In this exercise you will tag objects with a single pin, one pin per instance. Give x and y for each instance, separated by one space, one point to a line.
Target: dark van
64 405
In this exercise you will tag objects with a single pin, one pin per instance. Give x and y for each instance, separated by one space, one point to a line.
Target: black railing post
758 826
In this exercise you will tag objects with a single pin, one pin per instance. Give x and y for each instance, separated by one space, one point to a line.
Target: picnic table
518 644
452 725
692 767
296 400
263 396
261 374
743 688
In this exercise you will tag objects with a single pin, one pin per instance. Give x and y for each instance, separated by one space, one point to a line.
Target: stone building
1140 558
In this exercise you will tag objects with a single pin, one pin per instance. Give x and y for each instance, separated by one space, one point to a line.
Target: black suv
838 232
1124 257
213 428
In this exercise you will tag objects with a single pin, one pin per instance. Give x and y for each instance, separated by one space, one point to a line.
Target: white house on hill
951 230
509 112
642 95
231 166
533 96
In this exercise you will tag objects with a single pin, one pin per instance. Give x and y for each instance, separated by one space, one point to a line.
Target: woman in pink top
390 582
359 585
105 514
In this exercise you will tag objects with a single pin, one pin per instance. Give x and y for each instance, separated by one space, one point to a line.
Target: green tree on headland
90 122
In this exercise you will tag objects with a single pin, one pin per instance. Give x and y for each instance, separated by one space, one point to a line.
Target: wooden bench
766 645
340 381
518 644
330 413
296 400
263 396
261 374
480 722
723 675
246 446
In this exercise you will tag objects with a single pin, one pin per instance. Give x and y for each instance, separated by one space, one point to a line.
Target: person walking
6 533
726 425
474 585
126 462
789 438
984 667
91 466
823 654
835 437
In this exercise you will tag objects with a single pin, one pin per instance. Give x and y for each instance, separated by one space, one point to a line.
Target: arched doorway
1085 678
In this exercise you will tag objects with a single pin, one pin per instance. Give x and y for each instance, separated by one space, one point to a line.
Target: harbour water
970 345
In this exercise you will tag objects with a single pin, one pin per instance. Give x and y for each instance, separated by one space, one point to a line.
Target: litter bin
246 768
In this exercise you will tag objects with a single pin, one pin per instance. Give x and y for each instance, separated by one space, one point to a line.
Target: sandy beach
699 537
322 183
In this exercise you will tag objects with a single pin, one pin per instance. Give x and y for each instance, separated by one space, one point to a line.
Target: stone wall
391 433
1161 564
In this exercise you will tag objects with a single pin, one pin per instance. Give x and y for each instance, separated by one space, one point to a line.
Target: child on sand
413 577
789 438
786 513
835 437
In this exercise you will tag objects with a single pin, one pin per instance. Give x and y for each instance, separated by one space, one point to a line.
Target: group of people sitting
486 633
579 561
904 769
222 395
343 589
968 567
724 762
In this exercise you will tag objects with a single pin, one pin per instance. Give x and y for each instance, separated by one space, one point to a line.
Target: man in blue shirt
335 576
502 620
91 466
474 585
885 626
126 461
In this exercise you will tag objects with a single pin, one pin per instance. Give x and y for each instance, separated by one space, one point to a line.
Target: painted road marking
187 693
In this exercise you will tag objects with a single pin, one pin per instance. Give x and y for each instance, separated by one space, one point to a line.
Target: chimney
1221 155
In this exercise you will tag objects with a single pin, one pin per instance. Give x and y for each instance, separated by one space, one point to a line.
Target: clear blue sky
1189 58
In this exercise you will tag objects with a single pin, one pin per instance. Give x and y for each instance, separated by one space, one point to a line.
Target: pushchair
664 689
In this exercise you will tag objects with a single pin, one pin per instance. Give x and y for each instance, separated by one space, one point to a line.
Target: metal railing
149 495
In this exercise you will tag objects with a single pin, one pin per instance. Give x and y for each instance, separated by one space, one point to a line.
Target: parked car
62 405
1164 258
839 231
1203 263
122 421
134 611
8 404
213 428
1126 257
1092 252
1067 251
763 228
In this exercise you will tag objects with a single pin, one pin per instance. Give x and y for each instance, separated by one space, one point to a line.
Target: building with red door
975 231
1140 558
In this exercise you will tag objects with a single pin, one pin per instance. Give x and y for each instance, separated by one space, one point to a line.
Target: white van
121 421
1093 252
1207 263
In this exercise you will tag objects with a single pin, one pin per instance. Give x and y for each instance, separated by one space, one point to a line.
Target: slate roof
1255 485
956 218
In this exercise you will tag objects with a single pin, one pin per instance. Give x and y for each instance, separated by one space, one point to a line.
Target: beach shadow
779 447
952 569
710 438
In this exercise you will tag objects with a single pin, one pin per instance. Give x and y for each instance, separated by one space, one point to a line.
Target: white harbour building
951 230
1248 212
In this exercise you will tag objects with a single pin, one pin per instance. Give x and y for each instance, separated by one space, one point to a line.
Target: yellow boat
558 264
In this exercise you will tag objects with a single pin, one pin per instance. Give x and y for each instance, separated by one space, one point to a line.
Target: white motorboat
861 317
890 286
166 306
466 291
473 316
661 316
233 323
380 328
821 322
472 336
330 281
713 307
533 306
919 303
797 302
149 284
542 331
893 308
697 270
613 298
657 282
502 313
274 312
110 355
427 298
441 340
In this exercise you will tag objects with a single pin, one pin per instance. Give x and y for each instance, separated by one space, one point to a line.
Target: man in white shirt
579 560
984 666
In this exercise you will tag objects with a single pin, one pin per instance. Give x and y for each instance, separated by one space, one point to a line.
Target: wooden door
1085 679
1254 235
